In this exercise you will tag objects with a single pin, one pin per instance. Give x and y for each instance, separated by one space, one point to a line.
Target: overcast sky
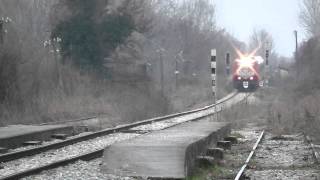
279 17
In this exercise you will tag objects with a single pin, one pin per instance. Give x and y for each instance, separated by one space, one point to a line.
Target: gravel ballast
89 170
62 153
87 146
286 157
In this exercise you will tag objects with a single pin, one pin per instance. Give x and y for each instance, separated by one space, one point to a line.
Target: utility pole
295 32
296 39
176 73
162 73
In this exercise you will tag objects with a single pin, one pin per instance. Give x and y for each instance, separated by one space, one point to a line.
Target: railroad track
67 121
281 168
109 135
253 151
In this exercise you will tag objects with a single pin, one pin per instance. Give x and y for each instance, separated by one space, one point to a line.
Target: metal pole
296 39
267 63
296 52
162 73
213 77
228 63
176 73
1 32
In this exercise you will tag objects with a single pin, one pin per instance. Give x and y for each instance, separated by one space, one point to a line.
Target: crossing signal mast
267 69
267 57
213 73
228 63
213 63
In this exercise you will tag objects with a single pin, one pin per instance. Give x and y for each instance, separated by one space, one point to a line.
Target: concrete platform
166 154
14 136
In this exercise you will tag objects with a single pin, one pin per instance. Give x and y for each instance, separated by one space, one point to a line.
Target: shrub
86 41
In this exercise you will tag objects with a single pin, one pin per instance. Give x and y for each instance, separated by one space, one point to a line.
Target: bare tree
310 16
262 40
175 33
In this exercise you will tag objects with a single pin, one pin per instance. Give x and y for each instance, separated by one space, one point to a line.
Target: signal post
214 78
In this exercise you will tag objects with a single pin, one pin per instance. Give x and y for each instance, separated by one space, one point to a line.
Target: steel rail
66 121
32 151
315 153
99 153
36 170
243 168
94 117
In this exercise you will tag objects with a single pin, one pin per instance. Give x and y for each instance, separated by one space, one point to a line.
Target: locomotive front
246 73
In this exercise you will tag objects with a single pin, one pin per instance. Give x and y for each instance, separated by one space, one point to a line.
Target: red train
245 74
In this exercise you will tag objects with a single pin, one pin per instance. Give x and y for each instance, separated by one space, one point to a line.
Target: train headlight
239 78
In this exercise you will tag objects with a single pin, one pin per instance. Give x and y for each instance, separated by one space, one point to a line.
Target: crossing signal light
228 63
228 59
267 57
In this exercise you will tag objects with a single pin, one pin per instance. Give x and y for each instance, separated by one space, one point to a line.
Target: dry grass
46 90
292 114
80 96
247 111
